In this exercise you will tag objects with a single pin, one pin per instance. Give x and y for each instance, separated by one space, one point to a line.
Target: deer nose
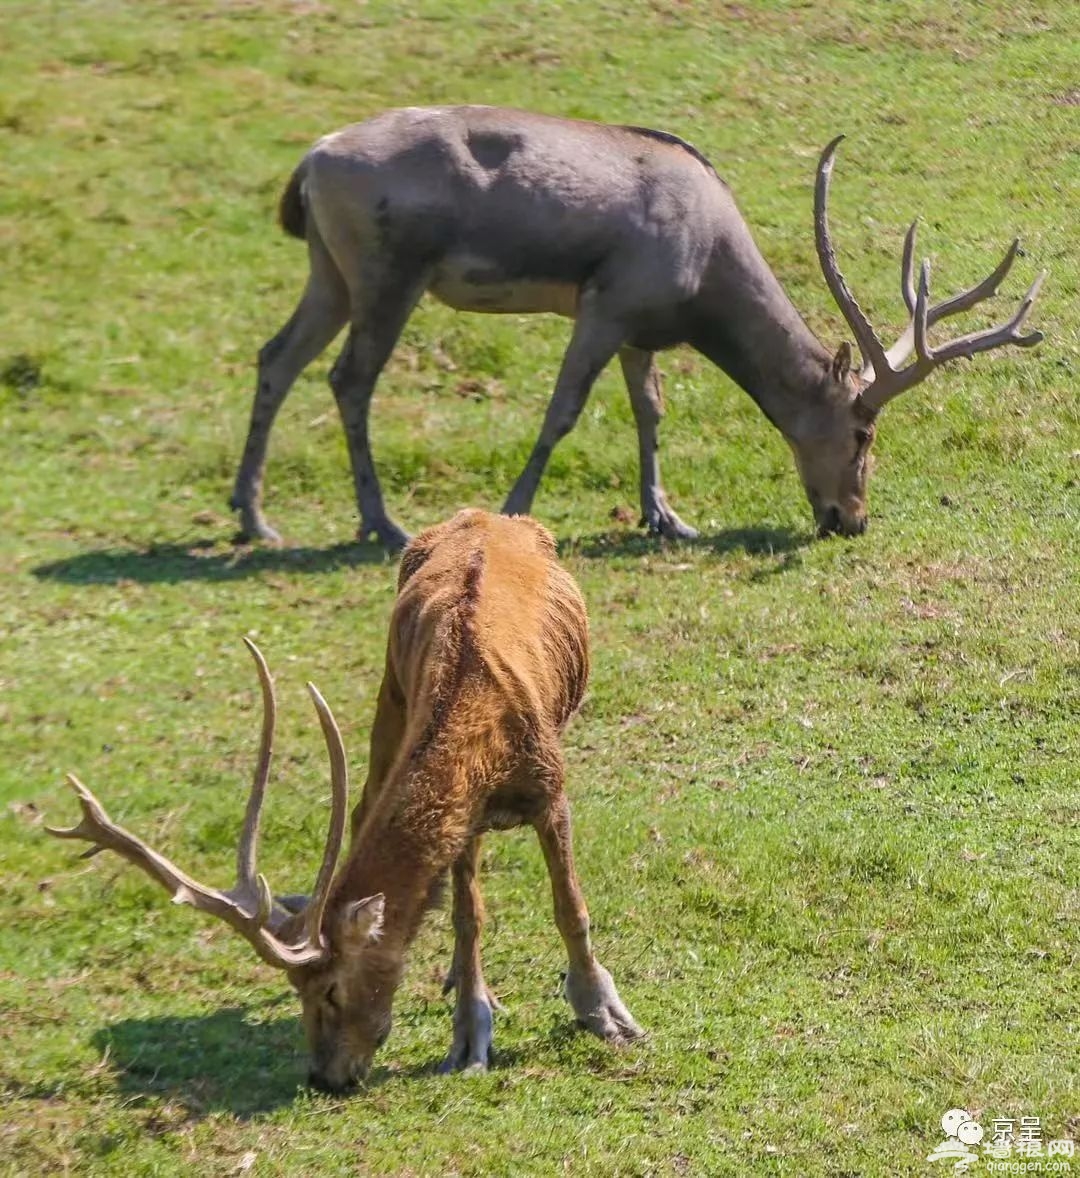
320 1083
852 525
829 521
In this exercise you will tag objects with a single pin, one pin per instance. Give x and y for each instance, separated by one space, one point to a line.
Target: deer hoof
662 521
471 1049
386 533
253 525
260 530
674 529
599 1008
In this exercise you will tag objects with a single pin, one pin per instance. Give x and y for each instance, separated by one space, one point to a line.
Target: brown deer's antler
882 369
249 906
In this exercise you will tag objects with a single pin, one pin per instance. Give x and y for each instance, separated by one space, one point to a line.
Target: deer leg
321 313
371 340
450 983
594 341
589 987
647 401
471 1045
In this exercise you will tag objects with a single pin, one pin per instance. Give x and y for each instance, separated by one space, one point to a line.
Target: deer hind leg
383 309
596 338
647 401
471 1046
589 987
321 313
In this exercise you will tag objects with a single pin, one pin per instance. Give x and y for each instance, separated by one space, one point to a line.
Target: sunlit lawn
825 794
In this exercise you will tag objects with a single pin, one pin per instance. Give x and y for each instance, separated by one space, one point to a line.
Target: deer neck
403 848
746 324
406 874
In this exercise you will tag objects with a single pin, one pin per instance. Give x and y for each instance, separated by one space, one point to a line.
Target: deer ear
841 362
362 920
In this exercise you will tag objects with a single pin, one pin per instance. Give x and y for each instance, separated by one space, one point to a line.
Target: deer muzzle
831 521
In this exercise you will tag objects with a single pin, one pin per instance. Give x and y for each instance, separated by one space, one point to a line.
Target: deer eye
332 997
863 437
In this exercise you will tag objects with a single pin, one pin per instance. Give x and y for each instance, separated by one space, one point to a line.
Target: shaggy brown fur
487 660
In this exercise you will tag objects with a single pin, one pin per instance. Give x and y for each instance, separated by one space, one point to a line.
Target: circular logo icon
953 1119
970 1132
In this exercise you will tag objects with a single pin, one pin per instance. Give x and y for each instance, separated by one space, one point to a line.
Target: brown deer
629 232
487 660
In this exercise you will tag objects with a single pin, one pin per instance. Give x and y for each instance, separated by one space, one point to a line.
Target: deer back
484 604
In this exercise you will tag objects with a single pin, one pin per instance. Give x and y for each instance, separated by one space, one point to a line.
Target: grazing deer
627 231
486 662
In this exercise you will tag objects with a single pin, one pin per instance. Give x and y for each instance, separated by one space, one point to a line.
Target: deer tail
292 210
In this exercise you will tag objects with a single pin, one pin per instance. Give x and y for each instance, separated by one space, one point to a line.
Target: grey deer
631 233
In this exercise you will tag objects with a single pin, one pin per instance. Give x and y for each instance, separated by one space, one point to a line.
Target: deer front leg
647 401
372 337
471 1046
319 316
590 989
594 341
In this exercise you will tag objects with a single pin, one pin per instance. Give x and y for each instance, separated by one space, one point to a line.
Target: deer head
320 945
347 996
832 447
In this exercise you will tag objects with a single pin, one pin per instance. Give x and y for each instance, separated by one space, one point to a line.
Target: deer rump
487 660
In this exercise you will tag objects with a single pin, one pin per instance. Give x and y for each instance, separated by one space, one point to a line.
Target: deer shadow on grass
230 1062
762 541
202 560
209 560
220 1062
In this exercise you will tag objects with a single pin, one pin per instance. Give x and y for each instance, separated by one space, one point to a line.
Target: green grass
825 793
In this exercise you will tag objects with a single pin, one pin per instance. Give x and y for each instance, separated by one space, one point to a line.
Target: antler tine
97 828
967 299
247 882
964 301
873 354
907 279
901 350
249 907
893 383
920 324
994 337
339 797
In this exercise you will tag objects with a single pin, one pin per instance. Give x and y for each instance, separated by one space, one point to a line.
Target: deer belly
470 285
510 807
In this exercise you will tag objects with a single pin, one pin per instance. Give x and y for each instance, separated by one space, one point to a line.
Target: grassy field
825 793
